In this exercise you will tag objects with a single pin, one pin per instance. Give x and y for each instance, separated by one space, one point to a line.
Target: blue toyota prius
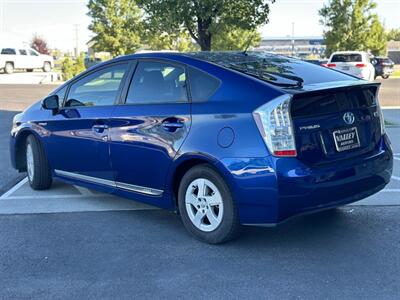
225 138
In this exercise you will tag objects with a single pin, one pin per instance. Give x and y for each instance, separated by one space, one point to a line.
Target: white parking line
396 158
391 191
14 188
395 177
52 197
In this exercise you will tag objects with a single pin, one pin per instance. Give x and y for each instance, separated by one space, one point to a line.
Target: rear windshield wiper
268 76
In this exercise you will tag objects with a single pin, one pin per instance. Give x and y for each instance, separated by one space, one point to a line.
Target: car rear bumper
290 188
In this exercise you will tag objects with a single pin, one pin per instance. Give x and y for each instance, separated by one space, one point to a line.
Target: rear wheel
37 166
207 208
46 67
29 70
9 68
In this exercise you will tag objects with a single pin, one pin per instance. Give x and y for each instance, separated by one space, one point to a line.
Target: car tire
208 210
46 67
385 76
29 70
9 68
37 165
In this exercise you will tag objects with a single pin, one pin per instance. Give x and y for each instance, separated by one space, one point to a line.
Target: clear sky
55 20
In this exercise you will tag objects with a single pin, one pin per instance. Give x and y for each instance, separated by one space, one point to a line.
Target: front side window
22 52
8 51
156 82
97 89
61 95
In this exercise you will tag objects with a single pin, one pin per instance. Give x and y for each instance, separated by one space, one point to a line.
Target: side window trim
127 82
85 74
161 60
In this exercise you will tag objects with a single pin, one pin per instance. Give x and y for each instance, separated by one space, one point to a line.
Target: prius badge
349 118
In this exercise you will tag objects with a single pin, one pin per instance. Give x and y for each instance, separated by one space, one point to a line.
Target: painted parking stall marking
21 199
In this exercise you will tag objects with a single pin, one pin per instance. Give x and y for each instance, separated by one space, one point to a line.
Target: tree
71 68
39 44
377 40
117 24
393 35
206 18
351 25
179 40
235 39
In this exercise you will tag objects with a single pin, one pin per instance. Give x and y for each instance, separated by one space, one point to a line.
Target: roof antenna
249 42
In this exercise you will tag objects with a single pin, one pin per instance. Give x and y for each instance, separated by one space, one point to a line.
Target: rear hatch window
336 124
346 58
275 69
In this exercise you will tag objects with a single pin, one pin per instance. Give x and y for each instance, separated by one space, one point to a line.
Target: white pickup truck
12 58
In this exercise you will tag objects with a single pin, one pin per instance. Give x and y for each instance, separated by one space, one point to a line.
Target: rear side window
8 51
22 52
33 53
157 82
202 85
346 58
97 89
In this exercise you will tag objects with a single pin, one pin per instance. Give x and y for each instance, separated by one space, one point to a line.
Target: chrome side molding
120 185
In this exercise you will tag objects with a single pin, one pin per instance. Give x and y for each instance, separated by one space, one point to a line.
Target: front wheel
9 68
207 208
37 166
385 76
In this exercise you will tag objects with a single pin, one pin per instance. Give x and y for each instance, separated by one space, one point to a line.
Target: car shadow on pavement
8 175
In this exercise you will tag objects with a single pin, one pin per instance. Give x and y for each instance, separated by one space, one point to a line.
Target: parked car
25 59
226 139
356 63
384 67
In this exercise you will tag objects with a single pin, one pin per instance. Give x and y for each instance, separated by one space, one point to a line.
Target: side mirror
51 103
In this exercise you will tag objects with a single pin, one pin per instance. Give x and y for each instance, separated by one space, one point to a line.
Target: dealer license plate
346 139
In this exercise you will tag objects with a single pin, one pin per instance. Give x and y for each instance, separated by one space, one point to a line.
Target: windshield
276 69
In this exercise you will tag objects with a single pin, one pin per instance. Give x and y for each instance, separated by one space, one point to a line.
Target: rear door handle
172 124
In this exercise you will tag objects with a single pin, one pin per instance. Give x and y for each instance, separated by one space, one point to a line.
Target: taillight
275 125
361 65
381 118
331 65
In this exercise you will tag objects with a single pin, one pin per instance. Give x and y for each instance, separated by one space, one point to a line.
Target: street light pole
292 38
76 40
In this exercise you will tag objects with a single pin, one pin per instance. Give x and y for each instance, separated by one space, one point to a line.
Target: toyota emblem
349 118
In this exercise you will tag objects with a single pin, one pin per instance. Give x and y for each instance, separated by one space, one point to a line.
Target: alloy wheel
204 204
30 162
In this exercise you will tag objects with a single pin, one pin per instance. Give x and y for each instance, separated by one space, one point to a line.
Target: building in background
393 49
295 46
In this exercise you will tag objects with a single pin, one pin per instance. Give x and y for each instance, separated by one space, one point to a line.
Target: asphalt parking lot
70 242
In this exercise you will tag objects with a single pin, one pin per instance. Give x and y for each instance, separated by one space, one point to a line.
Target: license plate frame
345 143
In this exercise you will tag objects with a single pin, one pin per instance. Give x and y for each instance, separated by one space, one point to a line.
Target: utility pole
2 22
292 38
76 40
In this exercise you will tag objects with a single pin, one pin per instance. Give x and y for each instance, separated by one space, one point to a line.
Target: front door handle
99 128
